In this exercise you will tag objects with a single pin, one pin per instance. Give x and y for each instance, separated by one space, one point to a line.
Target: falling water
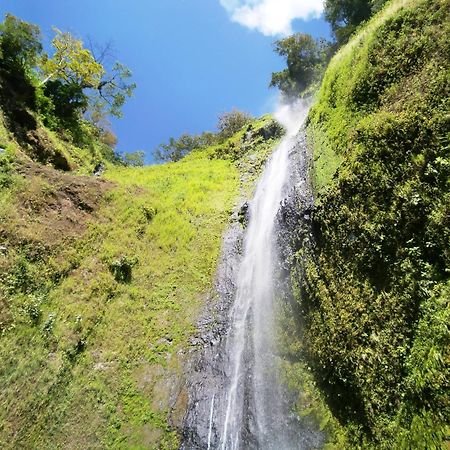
236 398
255 416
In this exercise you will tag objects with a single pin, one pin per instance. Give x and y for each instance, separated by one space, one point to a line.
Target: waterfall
236 397
254 405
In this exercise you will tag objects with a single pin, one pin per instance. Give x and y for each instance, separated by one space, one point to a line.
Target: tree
231 122
345 15
306 59
177 149
71 63
99 119
73 69
20 44
228 124
114 89
134 159
69 90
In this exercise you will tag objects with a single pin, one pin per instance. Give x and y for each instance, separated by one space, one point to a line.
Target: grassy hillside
101 282
375 290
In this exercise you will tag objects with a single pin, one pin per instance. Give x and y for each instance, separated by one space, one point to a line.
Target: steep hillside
78 149
373 289
101 284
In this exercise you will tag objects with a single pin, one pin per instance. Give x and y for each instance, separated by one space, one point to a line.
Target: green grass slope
101 284
374 289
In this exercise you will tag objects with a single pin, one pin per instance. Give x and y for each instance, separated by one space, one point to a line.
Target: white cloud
271 17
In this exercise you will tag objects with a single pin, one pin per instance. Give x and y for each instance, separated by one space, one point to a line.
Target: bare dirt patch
53 205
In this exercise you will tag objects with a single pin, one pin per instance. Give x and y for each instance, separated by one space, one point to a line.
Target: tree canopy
177 149
71 62
231 122
20 44
134 159
75 70
70 81
305 58
345 15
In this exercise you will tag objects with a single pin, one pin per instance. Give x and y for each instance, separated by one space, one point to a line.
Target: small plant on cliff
122 268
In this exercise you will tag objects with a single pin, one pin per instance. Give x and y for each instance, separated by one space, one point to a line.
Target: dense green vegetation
102 278
345 16
373 289
57 105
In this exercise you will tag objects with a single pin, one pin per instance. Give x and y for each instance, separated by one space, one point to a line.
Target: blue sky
191 59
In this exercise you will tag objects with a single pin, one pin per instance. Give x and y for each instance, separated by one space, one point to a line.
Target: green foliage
20 44
249 147
230 123
112 338
121 268
49 324
63 103
306 58
101 336
71 63
63 93
79 80
113 90
177 149
134 159
345 15
374 287
7 158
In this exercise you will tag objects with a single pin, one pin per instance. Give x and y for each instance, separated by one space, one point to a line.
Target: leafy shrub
122 267
6 167
177 149
149 213
49 324
230 123
33 309
134 159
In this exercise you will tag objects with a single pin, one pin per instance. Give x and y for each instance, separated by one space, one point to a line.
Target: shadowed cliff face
374 290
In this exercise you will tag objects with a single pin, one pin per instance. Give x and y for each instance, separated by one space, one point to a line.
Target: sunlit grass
96 328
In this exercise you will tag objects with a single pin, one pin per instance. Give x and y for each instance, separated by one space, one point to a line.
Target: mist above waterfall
292 115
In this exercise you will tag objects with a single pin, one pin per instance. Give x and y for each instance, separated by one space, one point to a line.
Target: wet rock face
294 220
207 369
244 214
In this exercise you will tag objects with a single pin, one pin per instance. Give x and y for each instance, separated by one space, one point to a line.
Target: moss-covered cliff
373 289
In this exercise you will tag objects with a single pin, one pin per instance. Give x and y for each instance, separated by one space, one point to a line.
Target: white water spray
254 401
211 412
